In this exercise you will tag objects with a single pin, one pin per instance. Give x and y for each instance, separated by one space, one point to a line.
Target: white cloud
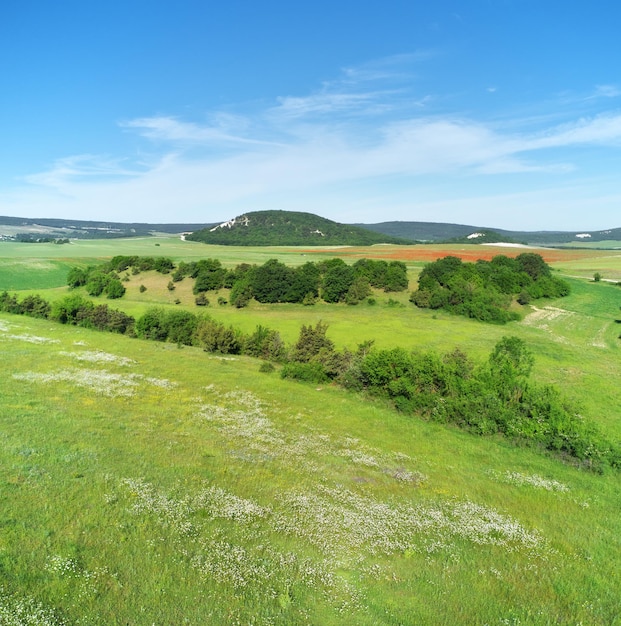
345 146
607 91
225 129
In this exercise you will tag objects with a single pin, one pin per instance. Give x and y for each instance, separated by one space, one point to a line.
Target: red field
429 253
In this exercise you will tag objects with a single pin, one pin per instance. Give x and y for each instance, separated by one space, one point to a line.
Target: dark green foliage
183 270
288 228
101 317
271 282
209 275
10 303
152 325
241 293
358 290
96 284
213 336
485 290
201 300
35 306
311 342
163 265
338 277
265 343
180 327
305 372
121 263
396 277
77 277
495 397
114 288
533 264
145 264
71 309
304 283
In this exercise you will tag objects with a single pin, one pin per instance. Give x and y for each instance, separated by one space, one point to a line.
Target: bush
305 372
213 336
152 325
35 306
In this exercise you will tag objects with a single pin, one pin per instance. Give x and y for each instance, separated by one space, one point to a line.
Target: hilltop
289 228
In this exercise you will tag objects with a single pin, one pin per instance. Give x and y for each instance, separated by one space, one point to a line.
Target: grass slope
149 484
142 483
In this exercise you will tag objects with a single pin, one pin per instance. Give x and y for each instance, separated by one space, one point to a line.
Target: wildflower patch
102 382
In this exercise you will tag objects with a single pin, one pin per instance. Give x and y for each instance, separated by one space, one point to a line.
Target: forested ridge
289 228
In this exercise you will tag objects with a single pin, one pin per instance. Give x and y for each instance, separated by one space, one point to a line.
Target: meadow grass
205 492
144 483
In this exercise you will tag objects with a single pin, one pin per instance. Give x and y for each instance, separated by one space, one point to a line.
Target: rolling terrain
265 228
151 483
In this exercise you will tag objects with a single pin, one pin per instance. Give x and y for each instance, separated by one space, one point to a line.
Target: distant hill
265 228
437 231
32 228
289 228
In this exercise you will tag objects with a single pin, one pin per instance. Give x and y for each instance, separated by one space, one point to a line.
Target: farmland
145 482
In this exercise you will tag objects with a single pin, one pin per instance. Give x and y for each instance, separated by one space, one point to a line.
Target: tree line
331 280
493 397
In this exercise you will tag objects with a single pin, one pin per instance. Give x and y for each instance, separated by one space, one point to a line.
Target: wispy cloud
225 128
607 91
332 147
84 166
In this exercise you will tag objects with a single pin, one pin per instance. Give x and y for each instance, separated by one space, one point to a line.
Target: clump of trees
485 290
273 282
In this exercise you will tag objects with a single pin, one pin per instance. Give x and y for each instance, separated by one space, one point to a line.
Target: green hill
438 232
289 228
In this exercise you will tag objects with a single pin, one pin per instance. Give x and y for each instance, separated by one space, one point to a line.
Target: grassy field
147 484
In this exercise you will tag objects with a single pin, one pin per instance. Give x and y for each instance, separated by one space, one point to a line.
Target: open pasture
143 483
150 484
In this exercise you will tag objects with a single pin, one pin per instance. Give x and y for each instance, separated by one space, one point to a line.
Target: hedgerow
494 397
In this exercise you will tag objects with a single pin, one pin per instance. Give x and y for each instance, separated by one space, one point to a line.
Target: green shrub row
496 397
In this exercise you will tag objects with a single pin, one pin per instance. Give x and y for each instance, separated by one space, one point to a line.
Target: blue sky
502 113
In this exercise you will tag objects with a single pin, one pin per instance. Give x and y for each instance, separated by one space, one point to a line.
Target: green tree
337 280
311 341
271 282
114 288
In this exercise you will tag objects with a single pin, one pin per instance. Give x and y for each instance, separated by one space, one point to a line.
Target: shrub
152 325
305 372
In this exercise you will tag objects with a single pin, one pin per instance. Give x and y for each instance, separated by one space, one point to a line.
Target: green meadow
145 483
